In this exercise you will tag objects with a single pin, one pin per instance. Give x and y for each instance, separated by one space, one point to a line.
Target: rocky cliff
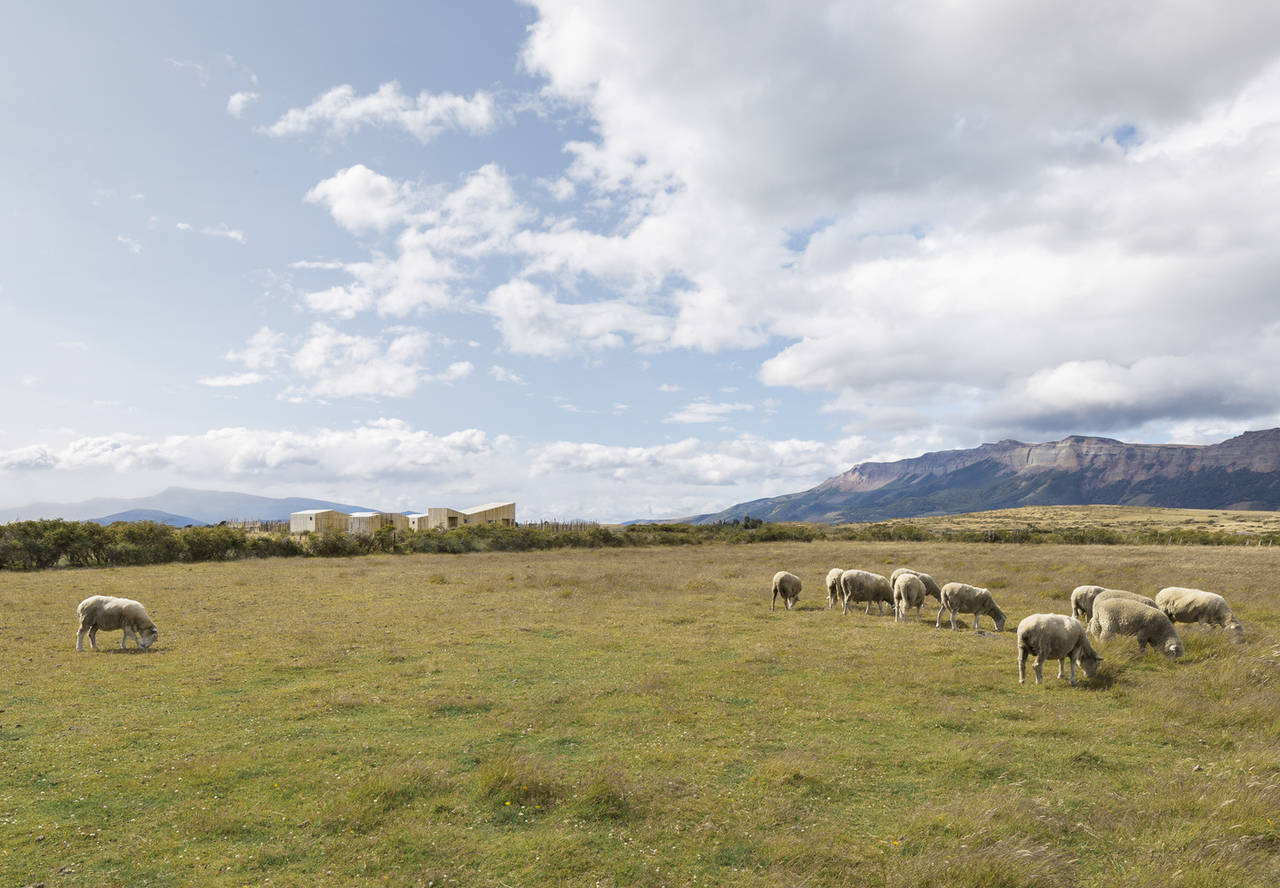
1241 473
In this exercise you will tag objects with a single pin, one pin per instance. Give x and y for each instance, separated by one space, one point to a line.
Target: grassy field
1118 518
631 717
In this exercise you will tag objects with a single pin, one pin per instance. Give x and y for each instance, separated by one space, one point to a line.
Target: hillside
193 506
1242 473
150 515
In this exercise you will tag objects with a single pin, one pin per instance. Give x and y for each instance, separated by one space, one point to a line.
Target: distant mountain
206 506
149 515
1241 473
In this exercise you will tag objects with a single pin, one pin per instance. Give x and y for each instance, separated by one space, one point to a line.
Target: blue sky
621 260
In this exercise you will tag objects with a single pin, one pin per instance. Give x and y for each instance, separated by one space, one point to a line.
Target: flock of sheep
1095 610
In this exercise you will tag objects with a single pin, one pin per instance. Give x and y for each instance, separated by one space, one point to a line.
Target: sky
622 260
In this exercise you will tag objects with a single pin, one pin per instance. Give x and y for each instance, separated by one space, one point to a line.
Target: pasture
631 717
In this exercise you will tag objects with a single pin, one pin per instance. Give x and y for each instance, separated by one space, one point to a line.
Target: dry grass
1119 518
634 717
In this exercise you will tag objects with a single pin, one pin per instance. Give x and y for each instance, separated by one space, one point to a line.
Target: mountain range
1240 473
178 505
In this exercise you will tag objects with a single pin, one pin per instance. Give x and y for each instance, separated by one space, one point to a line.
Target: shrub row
36 545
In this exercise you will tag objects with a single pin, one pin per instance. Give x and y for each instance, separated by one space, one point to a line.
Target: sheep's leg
975 621
93 637
937 624
80 638
1040 668
1060 667
1022 665
1073 670
953 621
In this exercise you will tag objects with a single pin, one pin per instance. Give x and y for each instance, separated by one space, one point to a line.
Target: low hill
150 515
203 506
1242 473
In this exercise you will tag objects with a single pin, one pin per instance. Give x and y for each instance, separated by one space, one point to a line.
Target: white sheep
930 584
1106 594
833 586
863 585
1054 637
1183 605
787 585
1122 616
961 598
1082 601
108 613
908 592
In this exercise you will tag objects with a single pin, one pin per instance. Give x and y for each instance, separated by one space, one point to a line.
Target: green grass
630 717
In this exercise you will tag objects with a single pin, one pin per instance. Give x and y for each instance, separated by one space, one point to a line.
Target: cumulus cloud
360 199
340 112
533 322
239 101
377 449
130 244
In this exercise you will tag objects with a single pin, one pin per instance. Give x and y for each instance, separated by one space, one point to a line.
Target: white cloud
220 230
533 322
342 365
382 448
501 374
340 112
233 380
264 350
668 387
239 101
361 200
130 244
705 411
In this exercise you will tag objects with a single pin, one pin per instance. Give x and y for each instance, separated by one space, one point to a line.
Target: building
489 513
372 522
418 520
317 520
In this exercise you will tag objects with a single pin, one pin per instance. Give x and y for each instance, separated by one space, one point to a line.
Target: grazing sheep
1054 637
908 592
1122 616
833 586
1082 602
787 585
961 598
930 584
863 585
1183 605
1107 594
105 612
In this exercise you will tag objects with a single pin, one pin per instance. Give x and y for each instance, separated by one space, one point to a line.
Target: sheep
1054 637
787 585
1106 594
1121 616
961 598
1183 605
833 586
105 612
1082 602
863 585
908 592
930 584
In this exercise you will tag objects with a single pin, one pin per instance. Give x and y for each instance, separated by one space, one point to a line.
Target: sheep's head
1173 648
1236 631
999 617
148 636
1089 663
